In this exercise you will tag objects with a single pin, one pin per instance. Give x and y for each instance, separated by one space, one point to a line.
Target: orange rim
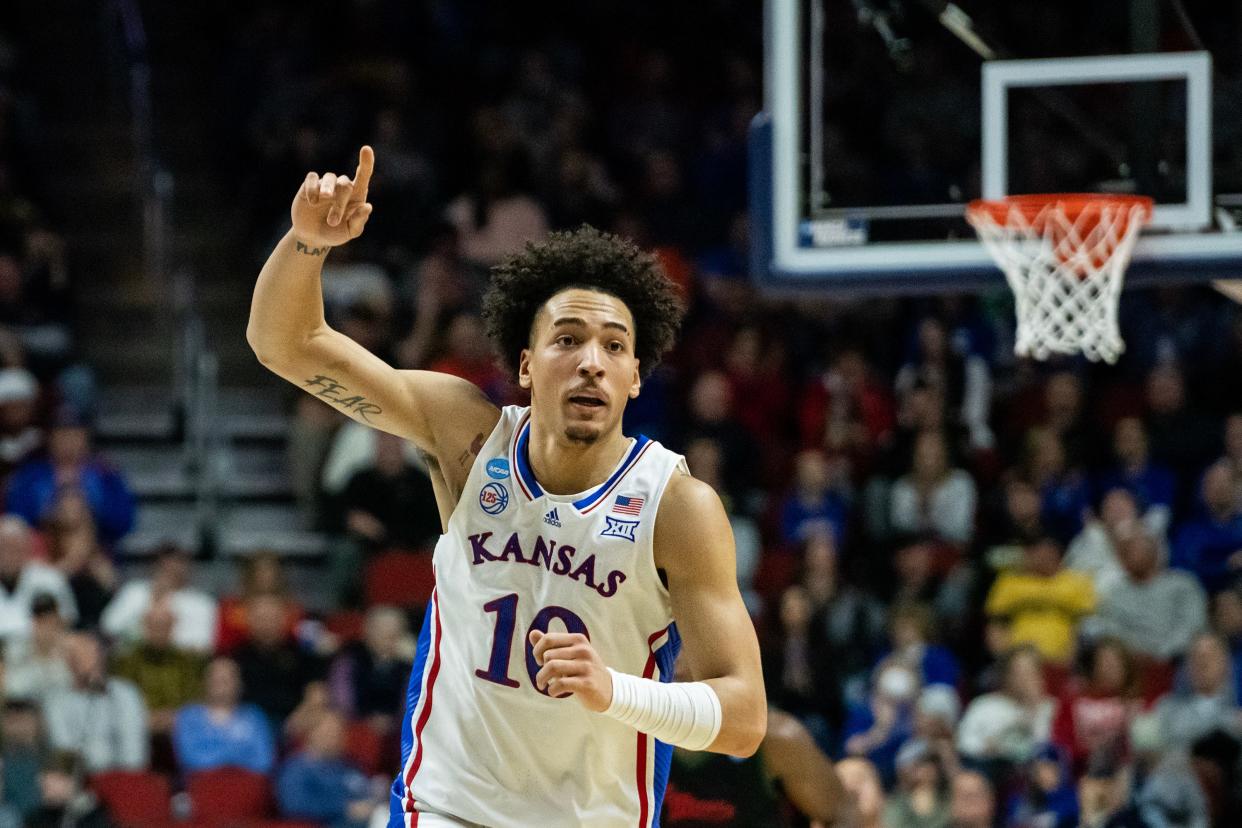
1073 205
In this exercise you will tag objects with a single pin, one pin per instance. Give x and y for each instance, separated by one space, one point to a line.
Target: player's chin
585 433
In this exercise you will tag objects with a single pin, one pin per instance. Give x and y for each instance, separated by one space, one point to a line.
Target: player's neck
563 467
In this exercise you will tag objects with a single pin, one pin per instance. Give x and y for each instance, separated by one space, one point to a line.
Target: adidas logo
552 519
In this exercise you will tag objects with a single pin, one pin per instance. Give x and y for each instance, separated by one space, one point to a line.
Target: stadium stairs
128 328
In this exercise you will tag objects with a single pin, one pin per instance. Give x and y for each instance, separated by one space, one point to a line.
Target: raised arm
443 415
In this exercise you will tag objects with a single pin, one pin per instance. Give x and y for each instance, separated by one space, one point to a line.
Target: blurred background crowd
1009 593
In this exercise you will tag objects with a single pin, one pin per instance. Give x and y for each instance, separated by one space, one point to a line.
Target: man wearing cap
19 437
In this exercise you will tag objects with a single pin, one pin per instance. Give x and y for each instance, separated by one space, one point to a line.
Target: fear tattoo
329 389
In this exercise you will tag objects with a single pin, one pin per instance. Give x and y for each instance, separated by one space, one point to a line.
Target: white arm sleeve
685 713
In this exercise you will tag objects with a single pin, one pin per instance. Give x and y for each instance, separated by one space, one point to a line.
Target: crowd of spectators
1003 593
1005 590
172 679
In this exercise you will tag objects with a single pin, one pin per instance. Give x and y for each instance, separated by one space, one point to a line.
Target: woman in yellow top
1042 601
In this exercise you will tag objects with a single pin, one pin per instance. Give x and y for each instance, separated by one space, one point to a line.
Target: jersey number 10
502 639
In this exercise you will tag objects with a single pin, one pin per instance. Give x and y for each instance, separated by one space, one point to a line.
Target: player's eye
616 347
565 341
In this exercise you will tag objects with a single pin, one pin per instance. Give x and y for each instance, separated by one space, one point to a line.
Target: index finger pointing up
362 178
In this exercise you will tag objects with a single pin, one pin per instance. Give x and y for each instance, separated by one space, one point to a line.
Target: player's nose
591 360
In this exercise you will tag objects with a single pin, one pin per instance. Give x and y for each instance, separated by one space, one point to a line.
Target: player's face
580 367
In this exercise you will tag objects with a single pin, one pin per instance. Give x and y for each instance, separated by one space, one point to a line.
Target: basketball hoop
1065 257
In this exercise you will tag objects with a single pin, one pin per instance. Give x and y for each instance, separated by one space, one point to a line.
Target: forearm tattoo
329 389
312 251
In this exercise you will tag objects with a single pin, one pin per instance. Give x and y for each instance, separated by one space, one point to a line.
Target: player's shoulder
687 497
691 519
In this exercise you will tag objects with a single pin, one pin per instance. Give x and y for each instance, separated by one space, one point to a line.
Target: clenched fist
332 209
570 665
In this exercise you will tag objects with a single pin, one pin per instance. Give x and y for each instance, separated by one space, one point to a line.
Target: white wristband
684 713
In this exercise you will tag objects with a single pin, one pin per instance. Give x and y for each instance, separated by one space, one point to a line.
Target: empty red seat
137 798
402 579
229 796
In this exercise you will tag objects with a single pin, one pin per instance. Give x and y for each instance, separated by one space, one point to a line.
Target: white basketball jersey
480 742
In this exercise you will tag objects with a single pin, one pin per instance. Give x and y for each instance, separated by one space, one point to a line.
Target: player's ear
524 369
637 384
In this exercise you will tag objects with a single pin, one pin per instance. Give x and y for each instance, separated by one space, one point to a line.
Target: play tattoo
312 251
332 391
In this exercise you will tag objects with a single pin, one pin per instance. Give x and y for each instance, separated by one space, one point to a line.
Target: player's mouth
587 401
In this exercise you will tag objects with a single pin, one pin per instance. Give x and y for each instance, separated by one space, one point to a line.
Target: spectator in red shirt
469 357
760 389
1097 709
846 409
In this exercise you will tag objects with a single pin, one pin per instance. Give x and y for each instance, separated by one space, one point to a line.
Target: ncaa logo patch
498 468
616 528
493 498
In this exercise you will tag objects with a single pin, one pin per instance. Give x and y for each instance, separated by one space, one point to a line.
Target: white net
1065 260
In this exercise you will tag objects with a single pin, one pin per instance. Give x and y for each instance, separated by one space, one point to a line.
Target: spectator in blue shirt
317 784
816 503
910 630
220 731
1047 796
877 729
71 462
1154 487
1210 545
1062 491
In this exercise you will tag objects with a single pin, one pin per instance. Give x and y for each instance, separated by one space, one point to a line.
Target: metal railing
194 367
207 448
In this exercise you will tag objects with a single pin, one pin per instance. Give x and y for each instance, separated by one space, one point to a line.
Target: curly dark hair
582 258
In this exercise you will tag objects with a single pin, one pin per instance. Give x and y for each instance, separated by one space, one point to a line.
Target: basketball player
542 689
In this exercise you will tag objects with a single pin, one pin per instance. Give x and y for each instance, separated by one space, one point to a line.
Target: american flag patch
627 505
